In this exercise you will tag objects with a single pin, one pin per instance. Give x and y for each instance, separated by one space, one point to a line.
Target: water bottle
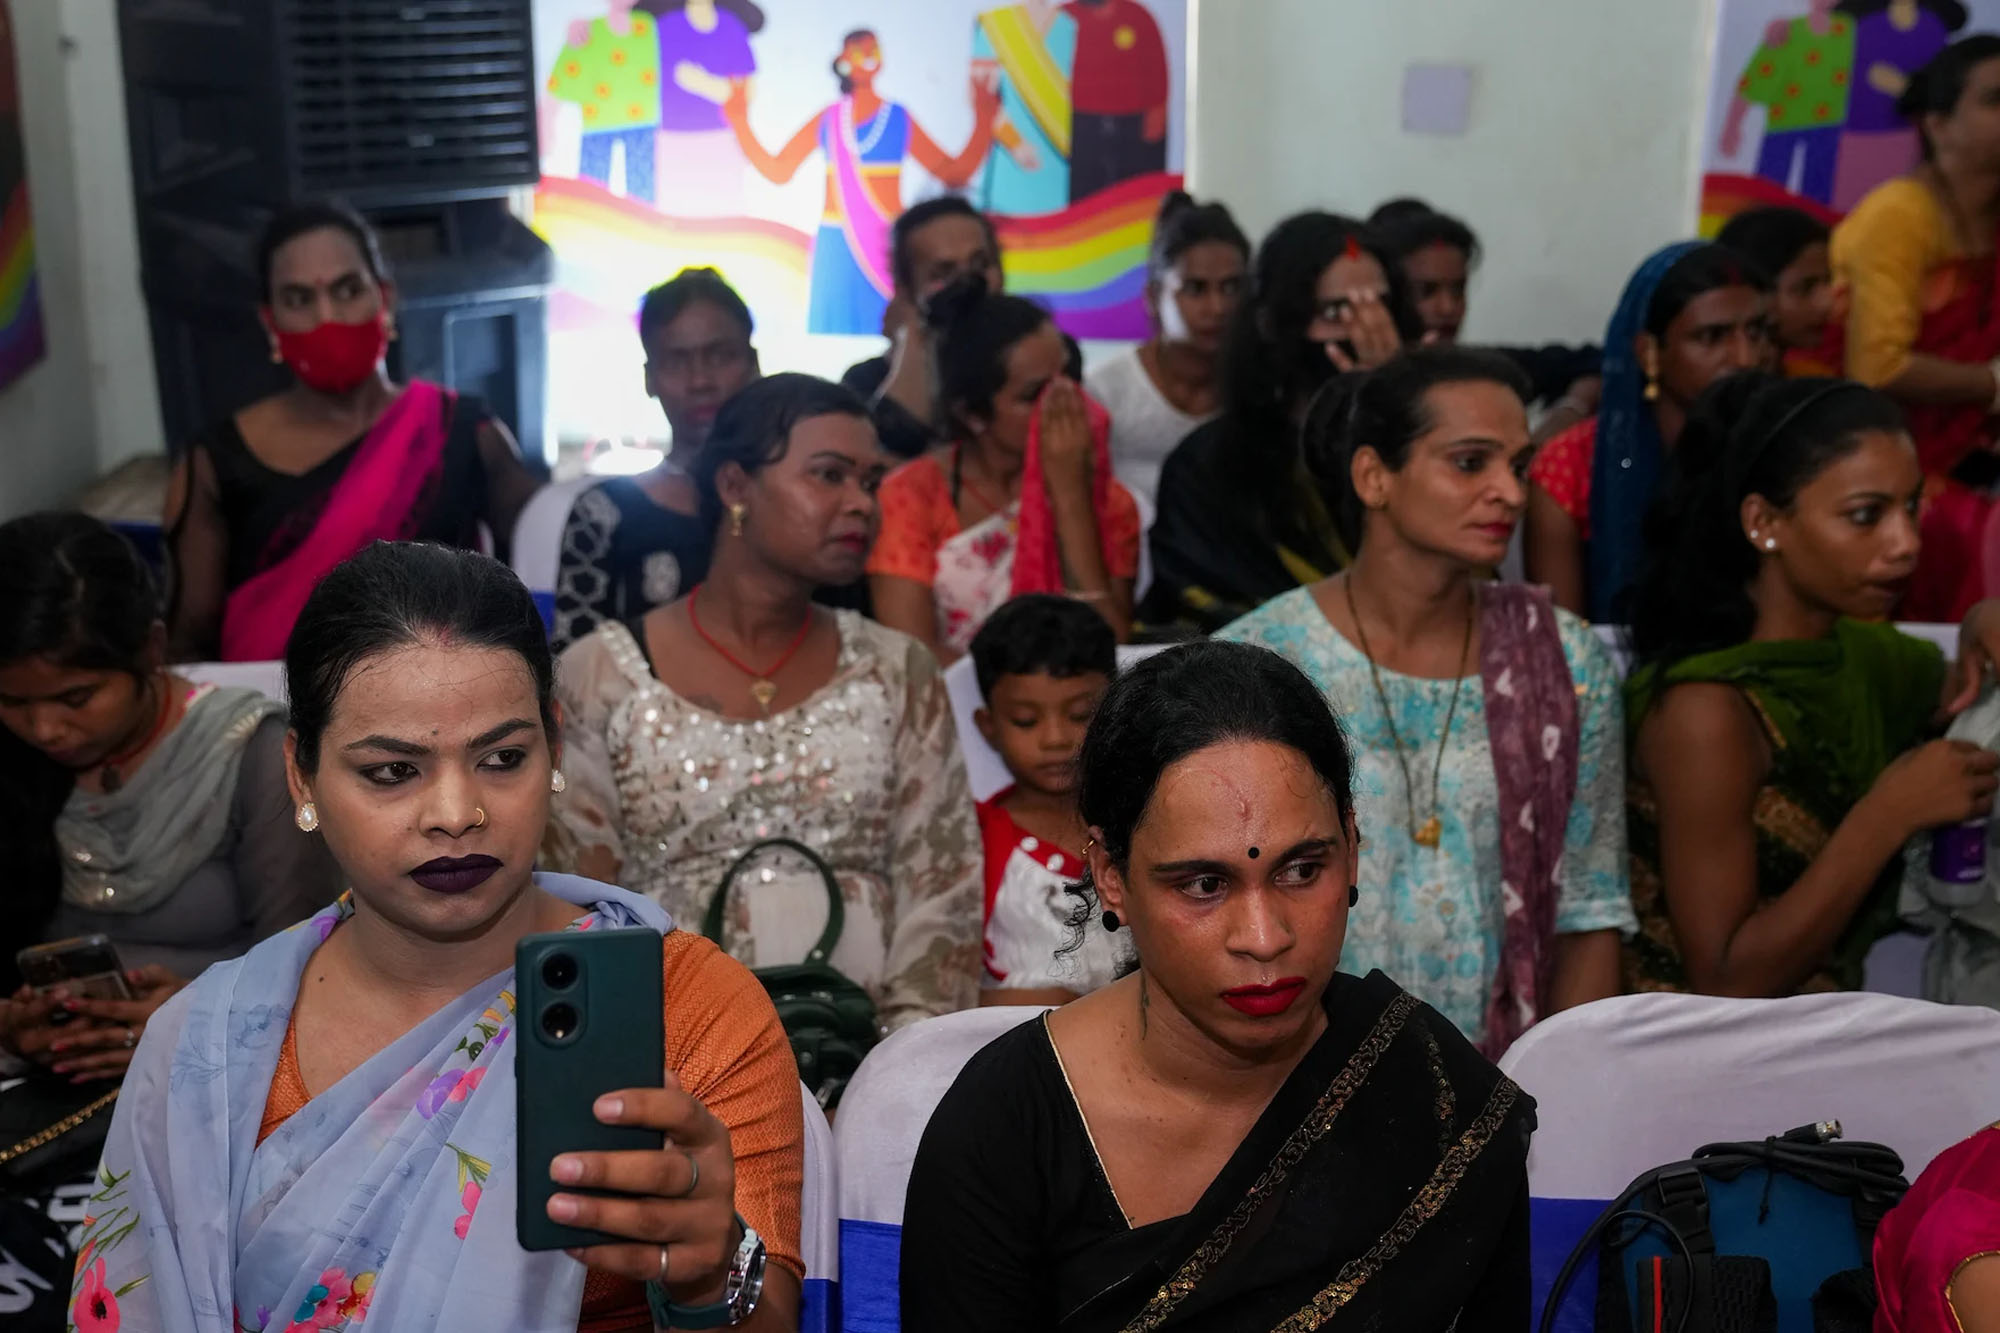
1958 864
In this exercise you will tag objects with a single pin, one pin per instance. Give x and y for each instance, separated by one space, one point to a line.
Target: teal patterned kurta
1429 917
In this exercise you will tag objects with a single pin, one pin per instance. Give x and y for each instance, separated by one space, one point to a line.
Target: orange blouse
727 1048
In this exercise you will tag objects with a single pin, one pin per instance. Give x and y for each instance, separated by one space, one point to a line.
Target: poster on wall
22 342
778 141
1802 108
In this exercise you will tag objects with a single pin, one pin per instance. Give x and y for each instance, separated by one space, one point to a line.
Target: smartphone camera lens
559 1022
559 971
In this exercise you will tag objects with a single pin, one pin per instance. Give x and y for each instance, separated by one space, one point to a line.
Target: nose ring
481 822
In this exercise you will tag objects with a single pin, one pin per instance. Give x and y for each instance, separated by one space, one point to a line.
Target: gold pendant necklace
1431 832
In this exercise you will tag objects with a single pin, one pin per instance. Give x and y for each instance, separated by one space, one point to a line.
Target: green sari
1836 711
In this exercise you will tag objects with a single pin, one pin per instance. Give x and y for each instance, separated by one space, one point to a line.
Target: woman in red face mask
277 495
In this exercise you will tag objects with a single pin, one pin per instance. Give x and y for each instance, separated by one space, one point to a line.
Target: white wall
1582 153
91 403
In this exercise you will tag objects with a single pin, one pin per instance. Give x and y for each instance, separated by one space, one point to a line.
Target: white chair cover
890 1099
819 1223
1627 1084
268 678
537 547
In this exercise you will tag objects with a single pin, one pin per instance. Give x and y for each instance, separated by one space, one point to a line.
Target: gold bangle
1083 595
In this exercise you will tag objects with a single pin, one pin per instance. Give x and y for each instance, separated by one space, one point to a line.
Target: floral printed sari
388 1200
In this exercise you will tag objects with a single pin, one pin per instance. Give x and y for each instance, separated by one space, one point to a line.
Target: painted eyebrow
414 750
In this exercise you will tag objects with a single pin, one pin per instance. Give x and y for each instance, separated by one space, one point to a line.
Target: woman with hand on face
1778 723
1488 750
742 712
276 496
1168 385
325 1130
1022 500
138 806
1239 521
1692 314
932 245
1236 1135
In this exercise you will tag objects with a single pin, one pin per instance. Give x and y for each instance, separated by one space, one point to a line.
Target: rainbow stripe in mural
22 342
1088 263
611 250
1723 196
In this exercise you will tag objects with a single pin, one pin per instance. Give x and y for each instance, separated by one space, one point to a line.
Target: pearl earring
307 818
558 783
1770 543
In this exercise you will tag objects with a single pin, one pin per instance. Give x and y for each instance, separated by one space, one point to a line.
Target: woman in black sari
1235 1136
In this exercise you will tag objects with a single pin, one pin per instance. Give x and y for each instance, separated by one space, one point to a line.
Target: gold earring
737 513
307 819
277 357
1652 387
558 783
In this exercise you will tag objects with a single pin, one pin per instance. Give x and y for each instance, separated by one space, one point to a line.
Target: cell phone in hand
86 966
588 1019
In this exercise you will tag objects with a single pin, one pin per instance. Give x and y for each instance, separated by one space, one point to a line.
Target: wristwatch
740 1294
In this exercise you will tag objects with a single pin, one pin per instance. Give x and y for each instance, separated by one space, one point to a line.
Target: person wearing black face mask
1238 523
277 495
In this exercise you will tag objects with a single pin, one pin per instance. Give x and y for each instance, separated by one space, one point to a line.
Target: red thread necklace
762 689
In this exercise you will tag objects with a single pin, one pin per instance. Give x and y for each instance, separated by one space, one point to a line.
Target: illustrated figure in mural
1802 76
1031 50
865 139
610 67
1119 92
704 50
1893 39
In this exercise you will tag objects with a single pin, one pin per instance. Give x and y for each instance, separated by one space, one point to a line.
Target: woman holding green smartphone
324 1132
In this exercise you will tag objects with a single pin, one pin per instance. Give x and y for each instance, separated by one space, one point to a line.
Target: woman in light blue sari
322 1133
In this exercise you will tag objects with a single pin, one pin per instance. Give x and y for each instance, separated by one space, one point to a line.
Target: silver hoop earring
558 783
308 818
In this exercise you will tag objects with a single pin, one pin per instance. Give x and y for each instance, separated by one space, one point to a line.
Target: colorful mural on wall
1803 108
22 341
778 141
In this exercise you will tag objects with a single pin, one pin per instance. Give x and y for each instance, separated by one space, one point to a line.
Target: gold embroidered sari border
1429 1201
1315 1127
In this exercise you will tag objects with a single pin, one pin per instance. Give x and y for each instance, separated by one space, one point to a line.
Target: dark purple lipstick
455 874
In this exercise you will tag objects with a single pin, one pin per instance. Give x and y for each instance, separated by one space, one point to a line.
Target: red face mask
336 358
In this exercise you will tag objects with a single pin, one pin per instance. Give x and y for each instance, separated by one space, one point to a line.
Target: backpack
829 1018
1771 1237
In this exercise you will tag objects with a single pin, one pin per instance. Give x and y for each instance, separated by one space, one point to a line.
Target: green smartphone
589 1019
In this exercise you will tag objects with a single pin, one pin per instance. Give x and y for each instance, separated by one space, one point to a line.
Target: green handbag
829 1019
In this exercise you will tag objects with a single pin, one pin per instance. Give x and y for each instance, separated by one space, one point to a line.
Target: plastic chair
983 767
882 1117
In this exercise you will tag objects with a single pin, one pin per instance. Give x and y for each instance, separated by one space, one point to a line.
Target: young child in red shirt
1043 663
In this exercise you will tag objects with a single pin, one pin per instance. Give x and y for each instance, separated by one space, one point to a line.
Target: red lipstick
1265 1001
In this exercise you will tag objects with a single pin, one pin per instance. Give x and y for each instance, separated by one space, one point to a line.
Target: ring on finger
662 1278
694 1176
131 1038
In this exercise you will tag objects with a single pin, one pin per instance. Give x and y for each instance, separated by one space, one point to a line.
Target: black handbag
829 1018
51 1133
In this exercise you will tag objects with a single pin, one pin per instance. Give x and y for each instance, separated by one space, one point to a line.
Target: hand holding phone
619 1165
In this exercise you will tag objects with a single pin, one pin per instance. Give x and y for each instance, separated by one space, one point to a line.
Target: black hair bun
956 300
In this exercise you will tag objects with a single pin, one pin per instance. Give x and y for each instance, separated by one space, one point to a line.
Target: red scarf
1037 561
